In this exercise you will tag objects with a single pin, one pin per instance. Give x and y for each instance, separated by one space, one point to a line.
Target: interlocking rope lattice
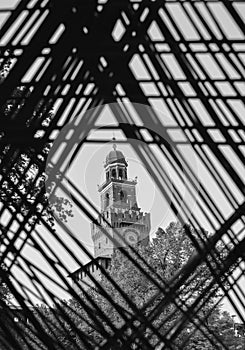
62 62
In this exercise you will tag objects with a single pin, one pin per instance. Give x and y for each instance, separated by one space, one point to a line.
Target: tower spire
114 143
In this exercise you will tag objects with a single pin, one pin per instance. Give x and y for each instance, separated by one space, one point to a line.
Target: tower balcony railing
133 218
118 180
140 218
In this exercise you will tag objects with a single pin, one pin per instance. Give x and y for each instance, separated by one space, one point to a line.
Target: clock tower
120 215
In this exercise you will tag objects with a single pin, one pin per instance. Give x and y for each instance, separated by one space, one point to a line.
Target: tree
24 178
5 294
166 255
69 323
23 169
63 326
221 324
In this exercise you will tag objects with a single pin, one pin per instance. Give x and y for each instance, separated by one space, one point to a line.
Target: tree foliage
25 192
167 255
5 294
23 167
69 325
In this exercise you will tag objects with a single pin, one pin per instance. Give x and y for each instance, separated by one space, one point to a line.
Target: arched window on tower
114 173
107 199
123 196
120 174
107 175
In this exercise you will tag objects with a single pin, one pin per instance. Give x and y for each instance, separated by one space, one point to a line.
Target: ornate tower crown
115 165
115 156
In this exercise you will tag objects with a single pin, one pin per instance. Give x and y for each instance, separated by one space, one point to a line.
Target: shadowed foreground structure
173 74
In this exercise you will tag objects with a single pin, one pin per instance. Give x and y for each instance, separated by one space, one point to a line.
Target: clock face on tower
131 237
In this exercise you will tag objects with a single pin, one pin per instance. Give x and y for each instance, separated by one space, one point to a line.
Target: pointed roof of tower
115 156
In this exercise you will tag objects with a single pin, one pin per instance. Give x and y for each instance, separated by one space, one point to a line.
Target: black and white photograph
122 174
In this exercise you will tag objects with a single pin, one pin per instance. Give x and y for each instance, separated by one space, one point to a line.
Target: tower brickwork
120 215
